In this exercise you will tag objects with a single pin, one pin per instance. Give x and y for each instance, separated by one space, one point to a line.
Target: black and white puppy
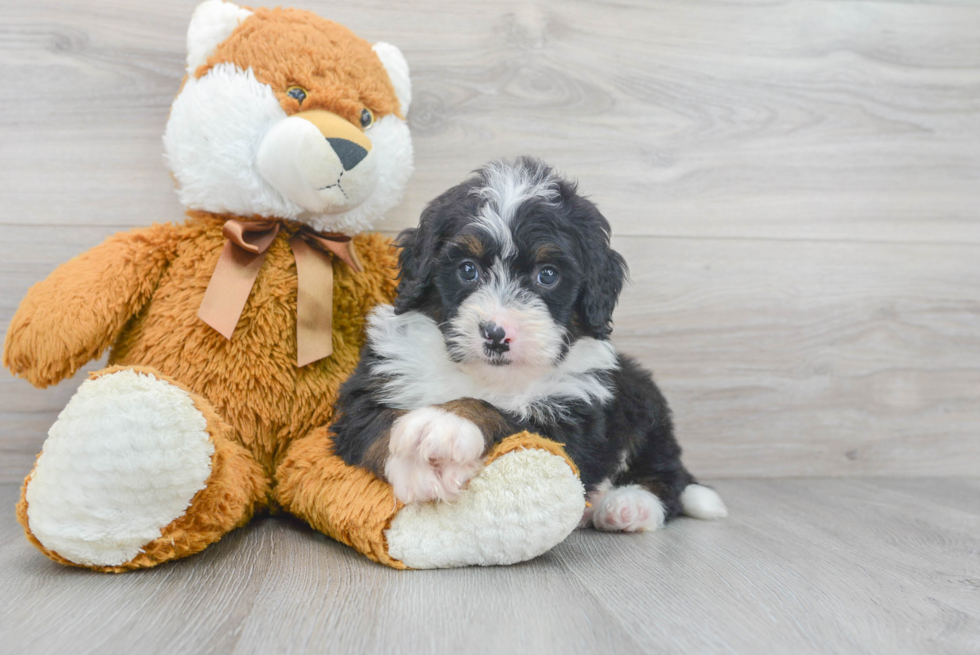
502 324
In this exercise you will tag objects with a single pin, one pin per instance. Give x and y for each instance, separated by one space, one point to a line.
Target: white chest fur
419 372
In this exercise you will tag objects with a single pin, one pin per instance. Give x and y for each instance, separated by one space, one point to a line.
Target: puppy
502 324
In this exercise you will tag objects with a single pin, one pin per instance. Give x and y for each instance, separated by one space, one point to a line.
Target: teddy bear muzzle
319 160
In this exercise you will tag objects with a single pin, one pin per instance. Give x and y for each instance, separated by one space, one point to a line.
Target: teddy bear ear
394 62
213 22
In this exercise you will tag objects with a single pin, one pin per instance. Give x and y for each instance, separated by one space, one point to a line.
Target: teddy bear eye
367 118
297 92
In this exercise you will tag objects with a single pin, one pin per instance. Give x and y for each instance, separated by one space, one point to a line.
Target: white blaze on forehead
506 186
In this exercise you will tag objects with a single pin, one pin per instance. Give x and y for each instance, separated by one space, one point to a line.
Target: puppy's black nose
495 338
350 153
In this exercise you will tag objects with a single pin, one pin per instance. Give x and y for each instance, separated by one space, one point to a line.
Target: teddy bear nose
350 153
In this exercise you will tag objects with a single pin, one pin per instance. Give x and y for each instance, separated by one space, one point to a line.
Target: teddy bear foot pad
124 459
518 507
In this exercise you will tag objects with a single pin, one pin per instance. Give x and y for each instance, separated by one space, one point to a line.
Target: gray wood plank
822 120
801 358
802 566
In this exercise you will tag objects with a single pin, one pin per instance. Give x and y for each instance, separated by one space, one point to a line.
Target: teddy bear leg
525 501
137 470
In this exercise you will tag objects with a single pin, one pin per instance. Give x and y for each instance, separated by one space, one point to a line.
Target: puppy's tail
702 503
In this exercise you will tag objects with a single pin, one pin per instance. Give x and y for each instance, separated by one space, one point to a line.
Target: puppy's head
513 265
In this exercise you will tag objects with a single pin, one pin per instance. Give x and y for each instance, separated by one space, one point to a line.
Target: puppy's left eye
468 272
547 276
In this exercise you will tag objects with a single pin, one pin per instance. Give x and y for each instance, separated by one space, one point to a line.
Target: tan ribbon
238 267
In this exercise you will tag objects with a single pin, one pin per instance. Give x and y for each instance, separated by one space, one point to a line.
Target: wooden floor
884 566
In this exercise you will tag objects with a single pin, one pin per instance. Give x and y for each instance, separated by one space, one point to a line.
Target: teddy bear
230 333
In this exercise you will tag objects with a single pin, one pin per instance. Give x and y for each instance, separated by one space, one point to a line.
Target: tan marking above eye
546 252
471 244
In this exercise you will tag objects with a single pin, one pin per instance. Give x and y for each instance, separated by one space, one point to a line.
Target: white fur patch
507 186
702 503
219 122
418 371
211 144
535 500
433 454
592 501
123 461
629 509
212 22
394 62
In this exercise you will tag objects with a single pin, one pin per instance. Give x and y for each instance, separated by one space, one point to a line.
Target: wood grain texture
797 119
794 184
811 358
801 566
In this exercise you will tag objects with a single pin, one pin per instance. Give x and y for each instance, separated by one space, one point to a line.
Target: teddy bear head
284 114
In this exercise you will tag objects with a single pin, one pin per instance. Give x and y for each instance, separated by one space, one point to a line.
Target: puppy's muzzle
495 340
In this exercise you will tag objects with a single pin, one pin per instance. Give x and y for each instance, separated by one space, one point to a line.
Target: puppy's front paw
629 509
433 454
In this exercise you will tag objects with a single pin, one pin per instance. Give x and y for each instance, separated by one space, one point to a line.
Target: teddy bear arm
78 311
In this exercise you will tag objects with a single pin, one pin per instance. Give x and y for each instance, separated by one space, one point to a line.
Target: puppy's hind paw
433 454
629 509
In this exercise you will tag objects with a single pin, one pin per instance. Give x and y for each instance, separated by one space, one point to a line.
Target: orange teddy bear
231 333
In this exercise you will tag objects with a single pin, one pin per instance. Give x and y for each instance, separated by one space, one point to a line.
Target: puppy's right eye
468 272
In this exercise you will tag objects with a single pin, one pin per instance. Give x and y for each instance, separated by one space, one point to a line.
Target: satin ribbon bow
238 267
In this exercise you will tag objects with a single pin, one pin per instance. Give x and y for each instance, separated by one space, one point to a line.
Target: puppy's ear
415 265
605 271
417 260
420 247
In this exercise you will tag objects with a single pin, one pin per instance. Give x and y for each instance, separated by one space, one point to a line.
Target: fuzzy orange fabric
347 503
139 292
290 47
60 325
529 441
352 505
